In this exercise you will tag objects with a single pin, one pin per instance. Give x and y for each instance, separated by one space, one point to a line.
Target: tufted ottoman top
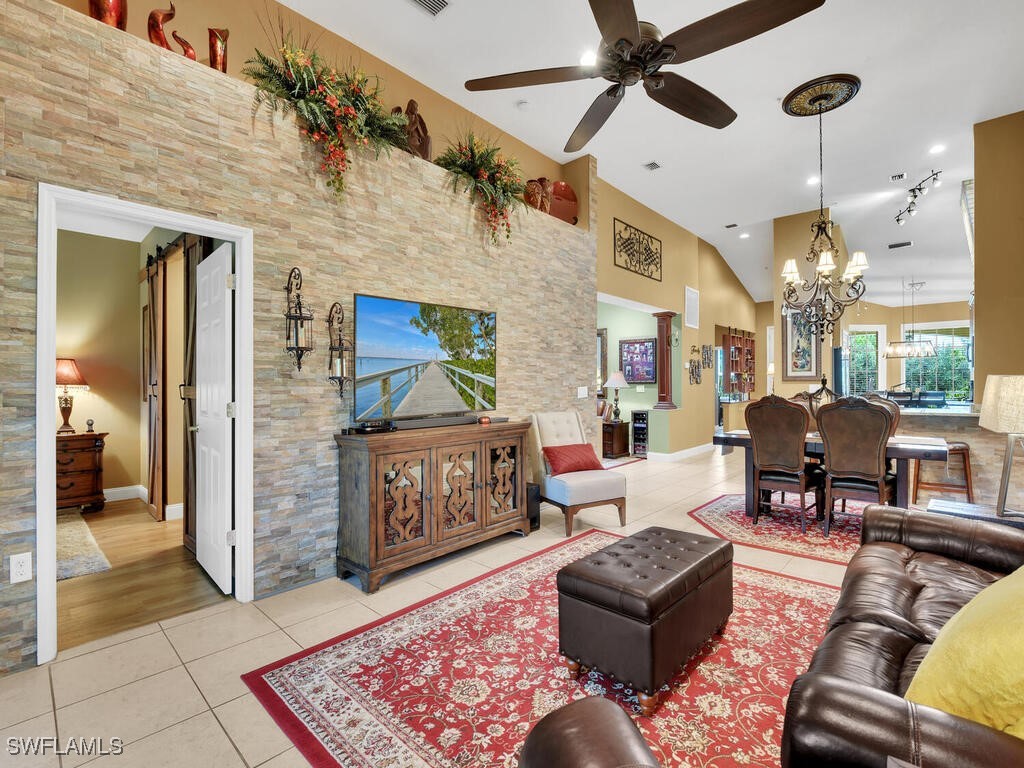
646 573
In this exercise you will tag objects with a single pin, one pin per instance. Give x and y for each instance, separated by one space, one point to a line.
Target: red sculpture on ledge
187 50
157 18
219 49
112 12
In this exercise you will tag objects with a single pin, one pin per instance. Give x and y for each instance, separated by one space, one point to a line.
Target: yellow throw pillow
975 668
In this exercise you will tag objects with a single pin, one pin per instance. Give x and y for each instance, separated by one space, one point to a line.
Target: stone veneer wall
86 106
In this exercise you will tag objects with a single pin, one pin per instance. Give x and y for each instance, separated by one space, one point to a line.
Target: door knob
193 429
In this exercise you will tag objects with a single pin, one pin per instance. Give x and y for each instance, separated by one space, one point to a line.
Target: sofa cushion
585 487
975 668
866 653
911 592
571 458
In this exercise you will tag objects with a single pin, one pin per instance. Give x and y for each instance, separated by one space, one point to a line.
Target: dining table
901 449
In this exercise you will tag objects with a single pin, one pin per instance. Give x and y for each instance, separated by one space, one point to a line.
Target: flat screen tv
415 359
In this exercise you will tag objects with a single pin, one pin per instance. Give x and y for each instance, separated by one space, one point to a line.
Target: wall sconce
675 338
337 356
298 320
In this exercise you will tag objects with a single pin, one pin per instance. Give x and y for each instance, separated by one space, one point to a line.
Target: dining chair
856 432
778 434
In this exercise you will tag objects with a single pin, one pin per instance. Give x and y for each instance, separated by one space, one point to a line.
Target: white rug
77 550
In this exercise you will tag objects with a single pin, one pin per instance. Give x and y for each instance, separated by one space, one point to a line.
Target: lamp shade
617 381
1002 409
858 262
789 271
68 374
771 369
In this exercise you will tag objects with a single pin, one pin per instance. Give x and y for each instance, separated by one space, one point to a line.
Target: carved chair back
778 432
855 432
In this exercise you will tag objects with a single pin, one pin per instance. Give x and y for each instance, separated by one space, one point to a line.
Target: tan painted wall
764 316
998 233
98 325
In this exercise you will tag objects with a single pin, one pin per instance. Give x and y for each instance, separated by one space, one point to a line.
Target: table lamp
1002 410
771 378
70 378
616 381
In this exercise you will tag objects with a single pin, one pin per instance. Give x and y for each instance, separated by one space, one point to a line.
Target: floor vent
433 7
904 244
652 166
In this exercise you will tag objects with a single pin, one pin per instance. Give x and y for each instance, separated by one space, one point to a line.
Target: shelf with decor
740 361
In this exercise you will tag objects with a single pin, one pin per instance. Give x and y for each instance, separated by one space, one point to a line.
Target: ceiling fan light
588 59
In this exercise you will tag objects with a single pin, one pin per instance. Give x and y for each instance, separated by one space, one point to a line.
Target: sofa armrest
989 545
836 722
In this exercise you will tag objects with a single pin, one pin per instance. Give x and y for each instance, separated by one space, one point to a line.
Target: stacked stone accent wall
85 106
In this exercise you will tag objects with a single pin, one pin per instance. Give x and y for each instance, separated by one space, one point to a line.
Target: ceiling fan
633 50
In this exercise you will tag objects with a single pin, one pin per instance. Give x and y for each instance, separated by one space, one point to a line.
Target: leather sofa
913 571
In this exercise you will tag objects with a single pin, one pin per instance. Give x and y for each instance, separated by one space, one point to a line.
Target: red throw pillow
571 458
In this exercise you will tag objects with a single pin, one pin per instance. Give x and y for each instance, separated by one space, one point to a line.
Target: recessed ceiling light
813 180
588 59
745 236
938 149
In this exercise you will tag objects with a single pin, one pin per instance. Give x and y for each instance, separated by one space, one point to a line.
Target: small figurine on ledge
416 130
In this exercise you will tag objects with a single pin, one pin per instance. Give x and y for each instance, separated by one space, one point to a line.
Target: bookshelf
740 356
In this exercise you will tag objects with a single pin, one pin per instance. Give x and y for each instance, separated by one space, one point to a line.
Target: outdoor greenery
334 106
478 167
949 371
863 362
467 338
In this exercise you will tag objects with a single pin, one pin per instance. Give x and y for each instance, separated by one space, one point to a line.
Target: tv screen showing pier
415 359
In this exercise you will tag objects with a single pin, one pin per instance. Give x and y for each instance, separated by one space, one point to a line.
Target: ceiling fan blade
690 100
532 77
617 21
734 25
596 116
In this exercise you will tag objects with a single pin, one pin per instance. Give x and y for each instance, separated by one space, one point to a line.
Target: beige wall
764 317
98 325
998 235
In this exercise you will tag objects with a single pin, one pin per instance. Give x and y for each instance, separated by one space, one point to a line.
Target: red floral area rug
779 531
460 679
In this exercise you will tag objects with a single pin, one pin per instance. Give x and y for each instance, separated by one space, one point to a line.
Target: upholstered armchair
571 491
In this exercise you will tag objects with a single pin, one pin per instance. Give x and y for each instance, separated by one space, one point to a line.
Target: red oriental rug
779 531
459 680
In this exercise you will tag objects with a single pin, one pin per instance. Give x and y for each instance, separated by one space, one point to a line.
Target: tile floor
171 690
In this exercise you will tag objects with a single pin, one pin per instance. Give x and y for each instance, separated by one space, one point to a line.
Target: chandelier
909 347
822 299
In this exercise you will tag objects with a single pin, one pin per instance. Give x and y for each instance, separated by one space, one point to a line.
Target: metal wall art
298 320
707 354
695 365
339 349
637 251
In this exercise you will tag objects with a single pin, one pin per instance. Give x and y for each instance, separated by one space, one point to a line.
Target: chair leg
917 479
570 513
622 511
803 507
829 501
967 476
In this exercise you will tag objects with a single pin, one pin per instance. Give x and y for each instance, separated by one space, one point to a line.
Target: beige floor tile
20 754
500 555
253 731
133 711
826 573
320 628
202 613
394 596
218 675
290 759
197 742
303 603
108 668
760 558
105 642
219 631
455 574
24 695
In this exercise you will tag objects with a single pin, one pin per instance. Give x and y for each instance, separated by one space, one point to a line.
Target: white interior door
214 511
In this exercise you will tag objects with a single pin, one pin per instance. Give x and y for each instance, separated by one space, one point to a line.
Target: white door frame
54 204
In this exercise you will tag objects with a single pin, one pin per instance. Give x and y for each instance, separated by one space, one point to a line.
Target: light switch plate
640 388
582 392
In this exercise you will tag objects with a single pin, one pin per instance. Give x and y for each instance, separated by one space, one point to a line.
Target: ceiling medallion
822 299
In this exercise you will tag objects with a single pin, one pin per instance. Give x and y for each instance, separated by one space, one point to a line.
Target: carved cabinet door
503 482
459 482
403 484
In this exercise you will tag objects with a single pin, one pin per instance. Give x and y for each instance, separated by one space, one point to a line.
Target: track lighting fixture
919 190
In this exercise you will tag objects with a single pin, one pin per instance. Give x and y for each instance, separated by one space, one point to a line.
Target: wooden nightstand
80 471
615 439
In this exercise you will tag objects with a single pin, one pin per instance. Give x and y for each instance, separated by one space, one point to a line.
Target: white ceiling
931 69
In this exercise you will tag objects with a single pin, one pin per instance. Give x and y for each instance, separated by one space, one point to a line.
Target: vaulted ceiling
930 69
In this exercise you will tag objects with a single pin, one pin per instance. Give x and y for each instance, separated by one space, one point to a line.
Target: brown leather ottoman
639 608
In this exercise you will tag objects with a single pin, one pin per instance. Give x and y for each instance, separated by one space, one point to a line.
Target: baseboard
174 511
680 455
126 492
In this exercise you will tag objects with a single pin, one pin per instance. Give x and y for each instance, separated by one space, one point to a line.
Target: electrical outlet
21 567
582 392
640 388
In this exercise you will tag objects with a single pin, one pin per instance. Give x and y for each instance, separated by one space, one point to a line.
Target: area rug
779 531
77 551
459 680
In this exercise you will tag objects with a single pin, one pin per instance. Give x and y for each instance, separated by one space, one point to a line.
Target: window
951 370
863 362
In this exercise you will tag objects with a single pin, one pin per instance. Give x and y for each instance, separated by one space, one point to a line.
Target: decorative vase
219 49
112 12
187 50
157 19
564 204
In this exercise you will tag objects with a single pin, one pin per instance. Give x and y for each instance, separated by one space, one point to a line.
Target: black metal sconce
340 347
298 320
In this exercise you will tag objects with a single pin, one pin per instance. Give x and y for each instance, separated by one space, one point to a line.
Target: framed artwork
638 360
801 349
